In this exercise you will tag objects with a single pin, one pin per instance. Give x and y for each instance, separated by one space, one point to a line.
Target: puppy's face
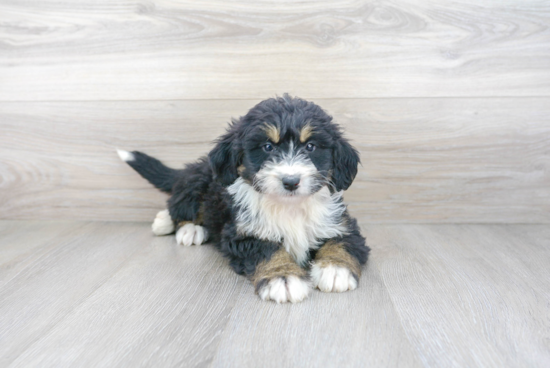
285 147
290 158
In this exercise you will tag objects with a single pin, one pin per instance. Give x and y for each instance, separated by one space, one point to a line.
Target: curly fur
273 183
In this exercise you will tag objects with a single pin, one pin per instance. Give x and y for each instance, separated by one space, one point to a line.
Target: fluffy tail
151 169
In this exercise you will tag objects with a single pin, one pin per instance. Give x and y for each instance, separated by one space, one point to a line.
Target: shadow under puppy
269 195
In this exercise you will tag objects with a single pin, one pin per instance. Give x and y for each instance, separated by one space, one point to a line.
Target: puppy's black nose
291 182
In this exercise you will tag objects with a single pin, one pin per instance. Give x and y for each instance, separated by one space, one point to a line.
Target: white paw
163 223
332 278
191 234
285 289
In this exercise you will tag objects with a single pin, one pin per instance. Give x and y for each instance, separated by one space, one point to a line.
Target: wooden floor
447 101
82 294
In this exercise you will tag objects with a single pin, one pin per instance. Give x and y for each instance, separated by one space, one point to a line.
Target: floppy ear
346 160
224 158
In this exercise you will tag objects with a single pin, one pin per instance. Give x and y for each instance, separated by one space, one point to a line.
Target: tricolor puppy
269 195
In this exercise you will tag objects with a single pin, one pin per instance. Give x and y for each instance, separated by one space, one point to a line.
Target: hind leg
190 233
163 224
185 206
186 210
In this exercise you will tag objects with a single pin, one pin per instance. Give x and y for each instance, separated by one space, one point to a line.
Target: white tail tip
125 155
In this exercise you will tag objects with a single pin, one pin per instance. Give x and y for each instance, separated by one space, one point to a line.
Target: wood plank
463 296
47 285
167 306
110 294
20 239
353 329
424 160
128 50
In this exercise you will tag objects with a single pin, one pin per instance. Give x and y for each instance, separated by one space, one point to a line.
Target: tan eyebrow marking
272 132
305 133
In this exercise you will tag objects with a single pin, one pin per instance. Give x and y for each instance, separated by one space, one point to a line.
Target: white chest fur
299 223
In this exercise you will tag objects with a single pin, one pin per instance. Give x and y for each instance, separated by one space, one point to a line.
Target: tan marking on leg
182 224
280 264
334 254
306 132
198 221
200 215
272 132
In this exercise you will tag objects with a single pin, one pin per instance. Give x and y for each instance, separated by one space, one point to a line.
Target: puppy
269 196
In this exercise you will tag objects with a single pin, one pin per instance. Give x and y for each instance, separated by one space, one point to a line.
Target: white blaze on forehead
297 165
294 163
269 178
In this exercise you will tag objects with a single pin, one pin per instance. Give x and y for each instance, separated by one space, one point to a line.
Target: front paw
191 234
283 289
332 278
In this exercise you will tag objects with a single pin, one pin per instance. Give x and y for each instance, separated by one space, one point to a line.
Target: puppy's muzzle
291 183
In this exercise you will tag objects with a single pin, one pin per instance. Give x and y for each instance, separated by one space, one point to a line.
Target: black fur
244 252
155 171
354 242
198 192
346 160
225 157
189 191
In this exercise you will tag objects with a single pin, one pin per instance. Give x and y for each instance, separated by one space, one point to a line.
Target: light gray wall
448 101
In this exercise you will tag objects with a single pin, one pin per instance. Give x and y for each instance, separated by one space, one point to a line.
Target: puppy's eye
268 147
310 147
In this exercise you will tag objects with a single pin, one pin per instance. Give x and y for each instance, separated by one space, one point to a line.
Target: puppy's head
286 147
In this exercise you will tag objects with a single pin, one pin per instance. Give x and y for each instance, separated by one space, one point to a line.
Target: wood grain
353 329
111 294
162 49
464 287
40 289
424 160
18 243
167 306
